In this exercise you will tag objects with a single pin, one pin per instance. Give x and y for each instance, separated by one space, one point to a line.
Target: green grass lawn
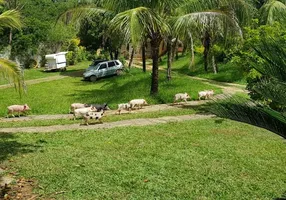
228 72
55 97
201 159
36 73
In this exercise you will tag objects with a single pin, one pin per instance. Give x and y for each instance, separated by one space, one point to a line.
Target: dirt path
228 88
151 108
35 81
124 123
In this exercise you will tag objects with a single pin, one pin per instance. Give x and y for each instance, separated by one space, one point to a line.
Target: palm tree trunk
10 36
169 55
174 44
192 63
111 54
116 54
155 43
214 64
131 58
144 56
206 44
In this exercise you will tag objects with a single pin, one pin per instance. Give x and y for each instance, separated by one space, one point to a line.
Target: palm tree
212 20
140 19
135 24
273 10
270 86
136 20
8 69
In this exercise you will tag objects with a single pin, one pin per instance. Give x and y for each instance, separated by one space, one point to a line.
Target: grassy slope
227 71
203 159
56 96
30 74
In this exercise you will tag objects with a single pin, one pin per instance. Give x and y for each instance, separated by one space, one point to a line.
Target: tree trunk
177 52
155 43
116 54
169 55
131 58
174 45
206 44
144 56
185 46
214 64
111 54
10 36
192 63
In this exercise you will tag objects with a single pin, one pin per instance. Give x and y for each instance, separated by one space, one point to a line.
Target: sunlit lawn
37 73
228 72
55 97
202 159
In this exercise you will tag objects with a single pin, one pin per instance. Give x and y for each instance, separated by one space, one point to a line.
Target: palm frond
11 18
272 89
159 6
273 53
12 73
214 21
239 109
242 9
273 11
138 22
75 15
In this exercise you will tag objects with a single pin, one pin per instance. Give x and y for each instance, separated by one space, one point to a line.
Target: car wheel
93 78
118 72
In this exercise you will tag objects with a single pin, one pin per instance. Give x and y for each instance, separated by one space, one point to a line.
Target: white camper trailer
56 61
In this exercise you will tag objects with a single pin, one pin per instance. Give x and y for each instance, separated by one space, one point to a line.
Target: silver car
103 69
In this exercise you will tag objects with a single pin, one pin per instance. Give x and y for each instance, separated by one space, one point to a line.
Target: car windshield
91 67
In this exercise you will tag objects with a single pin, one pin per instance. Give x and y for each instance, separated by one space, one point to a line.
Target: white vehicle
103 69
56 61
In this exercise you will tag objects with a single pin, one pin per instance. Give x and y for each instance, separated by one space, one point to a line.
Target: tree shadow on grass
239 109
9 146
203 109
114 91
283 197
73 73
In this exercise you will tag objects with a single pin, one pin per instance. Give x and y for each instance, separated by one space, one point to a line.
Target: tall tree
213 19
10 70
136 20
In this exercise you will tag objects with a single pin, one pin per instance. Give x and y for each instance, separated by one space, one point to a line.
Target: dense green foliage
40 35
264 53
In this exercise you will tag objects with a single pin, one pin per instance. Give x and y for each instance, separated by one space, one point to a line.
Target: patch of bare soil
22 189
